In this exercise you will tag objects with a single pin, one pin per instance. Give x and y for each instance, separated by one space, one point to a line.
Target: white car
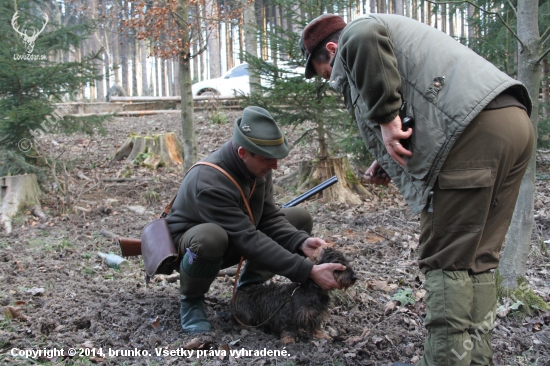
234 82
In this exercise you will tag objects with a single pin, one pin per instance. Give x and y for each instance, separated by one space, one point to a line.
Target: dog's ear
317 255
330 243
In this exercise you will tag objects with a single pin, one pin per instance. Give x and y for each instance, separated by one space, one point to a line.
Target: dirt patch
56 292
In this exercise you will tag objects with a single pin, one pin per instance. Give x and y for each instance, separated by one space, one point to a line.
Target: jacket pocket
465 178
462 201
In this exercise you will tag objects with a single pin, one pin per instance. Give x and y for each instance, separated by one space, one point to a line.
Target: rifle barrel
313 191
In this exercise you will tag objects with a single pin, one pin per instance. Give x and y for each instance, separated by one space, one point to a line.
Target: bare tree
173 22
530 57
214 57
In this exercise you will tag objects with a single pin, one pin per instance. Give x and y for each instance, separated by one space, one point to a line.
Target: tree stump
348 189
153 151
19 192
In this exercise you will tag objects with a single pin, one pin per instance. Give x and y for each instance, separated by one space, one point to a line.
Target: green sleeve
366 49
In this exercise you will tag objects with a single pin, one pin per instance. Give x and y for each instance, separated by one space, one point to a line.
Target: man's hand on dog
310 245
322 275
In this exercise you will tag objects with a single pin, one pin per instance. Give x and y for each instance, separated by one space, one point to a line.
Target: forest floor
56 293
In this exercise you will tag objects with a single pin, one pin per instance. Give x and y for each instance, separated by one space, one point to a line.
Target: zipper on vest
431 202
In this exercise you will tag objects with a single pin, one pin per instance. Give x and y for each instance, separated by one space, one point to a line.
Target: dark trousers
210 243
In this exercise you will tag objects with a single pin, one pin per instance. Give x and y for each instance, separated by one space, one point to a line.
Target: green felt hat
257 132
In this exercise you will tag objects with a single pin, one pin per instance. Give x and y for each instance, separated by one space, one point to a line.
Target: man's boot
196 276
483 316
449 299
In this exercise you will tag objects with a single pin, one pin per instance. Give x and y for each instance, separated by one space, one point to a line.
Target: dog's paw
319 334
287 339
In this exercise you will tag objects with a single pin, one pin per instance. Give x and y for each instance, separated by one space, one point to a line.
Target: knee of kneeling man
212 243
300 218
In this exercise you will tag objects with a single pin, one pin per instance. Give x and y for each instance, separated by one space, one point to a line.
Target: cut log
19 192
153 151
348 189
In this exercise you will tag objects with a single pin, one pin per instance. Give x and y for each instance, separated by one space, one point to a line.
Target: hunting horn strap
168 208
247 208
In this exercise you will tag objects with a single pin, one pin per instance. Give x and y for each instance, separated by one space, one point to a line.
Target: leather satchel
157 247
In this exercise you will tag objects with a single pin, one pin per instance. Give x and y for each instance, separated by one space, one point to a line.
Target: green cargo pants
462 231
460 313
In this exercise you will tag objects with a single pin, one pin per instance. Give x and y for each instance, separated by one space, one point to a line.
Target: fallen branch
123 179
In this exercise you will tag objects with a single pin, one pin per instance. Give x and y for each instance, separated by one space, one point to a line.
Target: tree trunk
518 239
444 18
143 57
163 77
187 116
107 60
177 86
18 192
451 21
135 77
157 78
471 28
124 65
263 27
98 64
251 45
545 89
241 37
399 7
152 151
348 190
116 55
211 9
228 37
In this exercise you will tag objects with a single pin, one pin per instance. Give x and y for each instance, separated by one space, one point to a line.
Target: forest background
86 49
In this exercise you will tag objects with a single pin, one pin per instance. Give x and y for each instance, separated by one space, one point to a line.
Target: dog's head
345 278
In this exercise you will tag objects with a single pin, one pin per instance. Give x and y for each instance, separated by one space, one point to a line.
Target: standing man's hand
322 274
375 174
392 134
311 244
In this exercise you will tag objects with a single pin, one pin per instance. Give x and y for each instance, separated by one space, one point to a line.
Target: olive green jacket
208 196
384 60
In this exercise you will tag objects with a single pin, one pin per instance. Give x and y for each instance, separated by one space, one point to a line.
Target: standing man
211 226
466 156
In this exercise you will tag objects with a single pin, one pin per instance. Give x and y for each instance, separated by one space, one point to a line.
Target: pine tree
31 82
308 105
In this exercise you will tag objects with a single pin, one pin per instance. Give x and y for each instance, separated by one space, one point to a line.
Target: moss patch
531 301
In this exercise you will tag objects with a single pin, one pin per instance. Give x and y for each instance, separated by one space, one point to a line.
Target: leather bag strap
249 215
168 208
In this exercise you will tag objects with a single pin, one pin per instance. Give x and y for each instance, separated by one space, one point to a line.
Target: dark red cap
314 33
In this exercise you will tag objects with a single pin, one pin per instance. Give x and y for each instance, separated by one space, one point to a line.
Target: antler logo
28 40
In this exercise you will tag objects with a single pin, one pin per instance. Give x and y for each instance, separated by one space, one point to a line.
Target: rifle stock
129 247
